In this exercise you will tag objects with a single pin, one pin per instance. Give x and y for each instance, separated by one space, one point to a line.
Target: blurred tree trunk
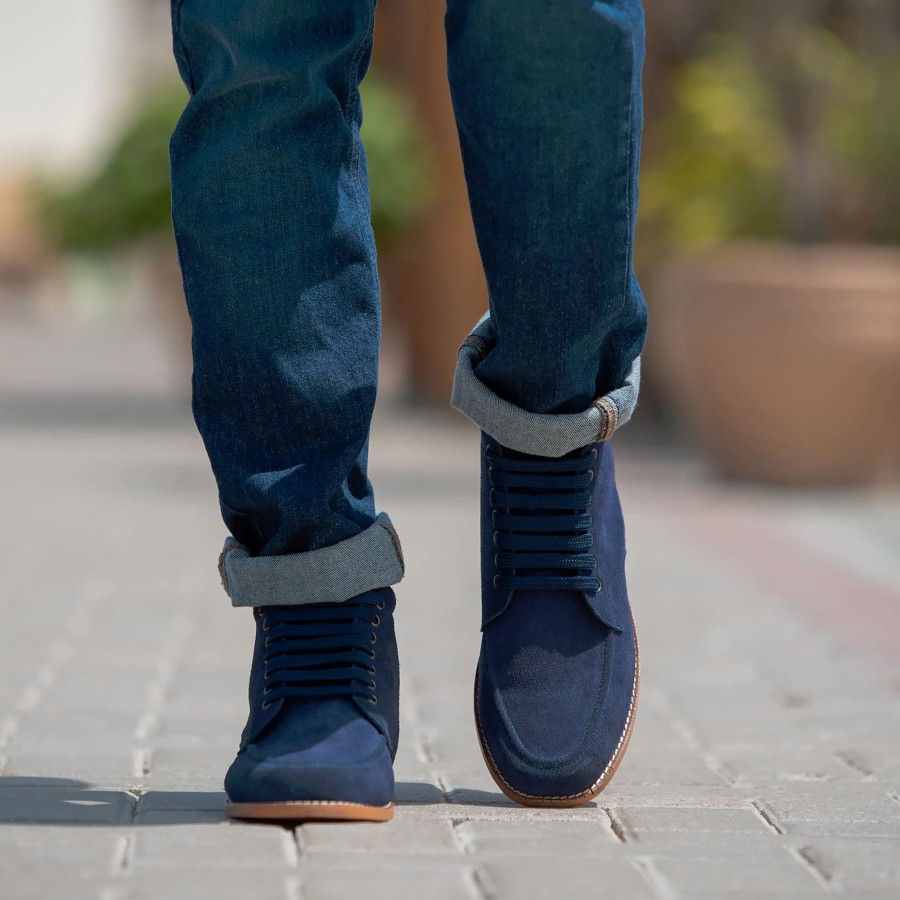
435 284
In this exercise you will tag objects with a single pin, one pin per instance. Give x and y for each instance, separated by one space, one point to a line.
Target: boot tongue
596 602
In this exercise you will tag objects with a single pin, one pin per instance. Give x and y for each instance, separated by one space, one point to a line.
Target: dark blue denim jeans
271 213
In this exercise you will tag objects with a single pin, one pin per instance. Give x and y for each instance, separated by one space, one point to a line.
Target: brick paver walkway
765 761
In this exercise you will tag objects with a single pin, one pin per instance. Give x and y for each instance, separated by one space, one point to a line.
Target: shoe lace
540 510
321 650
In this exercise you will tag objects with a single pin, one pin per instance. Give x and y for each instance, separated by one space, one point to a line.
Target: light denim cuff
539 434
369 560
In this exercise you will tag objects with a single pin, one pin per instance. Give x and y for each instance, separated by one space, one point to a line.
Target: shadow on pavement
67 802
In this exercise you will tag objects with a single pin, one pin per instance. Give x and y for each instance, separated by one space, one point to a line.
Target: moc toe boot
323 727
557 679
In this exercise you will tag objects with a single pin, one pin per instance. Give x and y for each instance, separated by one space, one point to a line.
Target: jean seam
354 103
629 176
176 33
610 417
478 344
357 147
395 538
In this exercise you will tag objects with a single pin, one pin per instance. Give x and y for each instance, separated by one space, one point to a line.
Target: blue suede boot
557 679
324 721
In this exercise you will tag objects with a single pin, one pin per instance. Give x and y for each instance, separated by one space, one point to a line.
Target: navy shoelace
542 522
321 650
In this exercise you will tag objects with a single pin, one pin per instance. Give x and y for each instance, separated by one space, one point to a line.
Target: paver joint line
768 816
768 754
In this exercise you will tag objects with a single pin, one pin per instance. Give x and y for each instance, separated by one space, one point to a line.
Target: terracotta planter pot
784 360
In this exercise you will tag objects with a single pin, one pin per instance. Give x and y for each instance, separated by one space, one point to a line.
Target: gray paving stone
28 850
660 820
833 810
749 894
158 807
213 846
402 836
657 764
49 723
754 720
67 803
71 882
89 763
673 796
476 813
202 884
513 837
410 793
854 865
777 872
191 765
704 845
472 786
754 764
323 882
563 877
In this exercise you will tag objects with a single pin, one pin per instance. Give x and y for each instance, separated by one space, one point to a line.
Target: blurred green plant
791 132
127 199
401 170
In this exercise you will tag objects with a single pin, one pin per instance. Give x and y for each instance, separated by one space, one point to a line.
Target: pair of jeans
272 223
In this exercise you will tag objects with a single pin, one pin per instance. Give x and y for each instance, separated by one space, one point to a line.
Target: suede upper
337 748
557 671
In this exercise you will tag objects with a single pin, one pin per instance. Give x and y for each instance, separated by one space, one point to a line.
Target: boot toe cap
351 764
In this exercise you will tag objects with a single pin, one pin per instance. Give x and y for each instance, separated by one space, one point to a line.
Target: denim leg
548 105
272 221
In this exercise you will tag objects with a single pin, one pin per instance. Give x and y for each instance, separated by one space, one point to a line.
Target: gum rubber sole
311 811
595 789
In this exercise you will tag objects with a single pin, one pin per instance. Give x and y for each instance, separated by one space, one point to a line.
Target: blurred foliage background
776 123
780 120
127 199
774 120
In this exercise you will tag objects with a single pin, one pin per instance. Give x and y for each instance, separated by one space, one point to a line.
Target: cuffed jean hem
369 560
539 434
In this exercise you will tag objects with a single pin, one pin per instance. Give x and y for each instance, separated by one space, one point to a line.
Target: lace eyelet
594 453
374 638
591 475
494 539
496 558
266 705
267 689
266 625
380 605
373 700
496 580
371 685
377 622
